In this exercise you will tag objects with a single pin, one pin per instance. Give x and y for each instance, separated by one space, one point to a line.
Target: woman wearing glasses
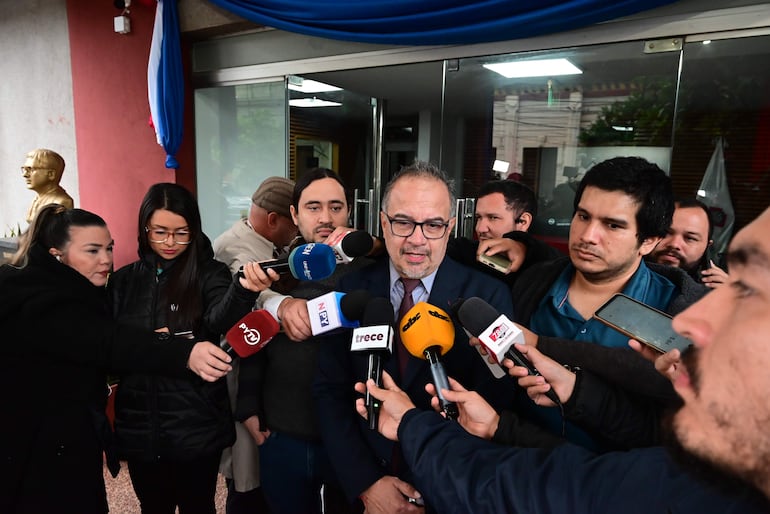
172 431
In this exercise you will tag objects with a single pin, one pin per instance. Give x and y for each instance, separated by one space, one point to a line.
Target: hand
552 375
252 425
713 276
388 495
476 415
668 364
514 251
393 404
294 318
337 234
530 338
476 343
255 278
209 361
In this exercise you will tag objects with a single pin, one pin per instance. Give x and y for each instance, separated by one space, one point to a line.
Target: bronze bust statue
43 170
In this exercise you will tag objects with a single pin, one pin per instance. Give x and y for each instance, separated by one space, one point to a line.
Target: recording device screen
641 322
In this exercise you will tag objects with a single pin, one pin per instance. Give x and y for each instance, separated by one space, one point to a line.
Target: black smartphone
641 322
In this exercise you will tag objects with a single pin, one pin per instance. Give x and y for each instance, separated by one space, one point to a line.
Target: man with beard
504 212
722 381
623 206
417 217
274 401
687 242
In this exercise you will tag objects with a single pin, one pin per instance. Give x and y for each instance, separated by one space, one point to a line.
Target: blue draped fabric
431 22
404 22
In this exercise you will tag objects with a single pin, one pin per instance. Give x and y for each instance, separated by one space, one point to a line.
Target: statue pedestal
8 247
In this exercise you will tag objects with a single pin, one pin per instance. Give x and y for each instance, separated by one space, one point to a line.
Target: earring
58 257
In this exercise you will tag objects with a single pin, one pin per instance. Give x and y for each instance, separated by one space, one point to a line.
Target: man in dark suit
417 218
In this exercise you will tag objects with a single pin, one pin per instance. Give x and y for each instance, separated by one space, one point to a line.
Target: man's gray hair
422 169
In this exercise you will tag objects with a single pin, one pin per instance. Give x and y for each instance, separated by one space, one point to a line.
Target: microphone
355 243
427 333
251 333
311 261
497 333
374 336
336 310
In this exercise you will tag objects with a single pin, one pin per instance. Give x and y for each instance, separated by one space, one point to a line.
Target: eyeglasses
30 169
159 236
405 228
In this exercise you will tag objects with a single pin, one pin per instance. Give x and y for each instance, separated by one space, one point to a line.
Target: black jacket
464 251
59 341
166 418
275 383
459 473
619 395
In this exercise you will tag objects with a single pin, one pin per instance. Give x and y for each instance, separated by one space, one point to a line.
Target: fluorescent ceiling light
536 68
310 86
312 102
500 166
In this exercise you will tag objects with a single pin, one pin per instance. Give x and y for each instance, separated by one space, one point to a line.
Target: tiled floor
122 499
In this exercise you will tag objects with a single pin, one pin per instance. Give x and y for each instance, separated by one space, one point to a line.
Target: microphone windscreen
424 326
312 261
353 304
252 333
357 243
476 315
378 311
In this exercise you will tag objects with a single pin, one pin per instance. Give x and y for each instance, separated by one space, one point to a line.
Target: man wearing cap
262 235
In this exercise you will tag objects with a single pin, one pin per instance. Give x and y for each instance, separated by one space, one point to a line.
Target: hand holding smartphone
641 322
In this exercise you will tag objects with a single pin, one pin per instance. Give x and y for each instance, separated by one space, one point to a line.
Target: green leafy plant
13 231
648 110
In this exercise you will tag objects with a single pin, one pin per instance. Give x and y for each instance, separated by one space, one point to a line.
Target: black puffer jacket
166 418
58 342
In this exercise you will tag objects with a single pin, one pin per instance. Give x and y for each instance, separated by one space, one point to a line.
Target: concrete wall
118 155
72 84
36 108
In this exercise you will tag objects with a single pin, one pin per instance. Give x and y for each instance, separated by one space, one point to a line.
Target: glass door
331 127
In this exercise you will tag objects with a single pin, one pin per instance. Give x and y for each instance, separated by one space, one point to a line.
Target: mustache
324 226
584 247
424 250
690 361
672 252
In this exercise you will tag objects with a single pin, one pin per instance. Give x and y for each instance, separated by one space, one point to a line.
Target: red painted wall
118 157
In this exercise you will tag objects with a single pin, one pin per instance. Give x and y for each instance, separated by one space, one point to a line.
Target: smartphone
641 322
496 262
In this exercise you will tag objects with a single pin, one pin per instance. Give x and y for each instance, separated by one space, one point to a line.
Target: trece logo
499 332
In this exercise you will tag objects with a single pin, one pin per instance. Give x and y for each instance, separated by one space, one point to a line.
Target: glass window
546 125
240 137
723 94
